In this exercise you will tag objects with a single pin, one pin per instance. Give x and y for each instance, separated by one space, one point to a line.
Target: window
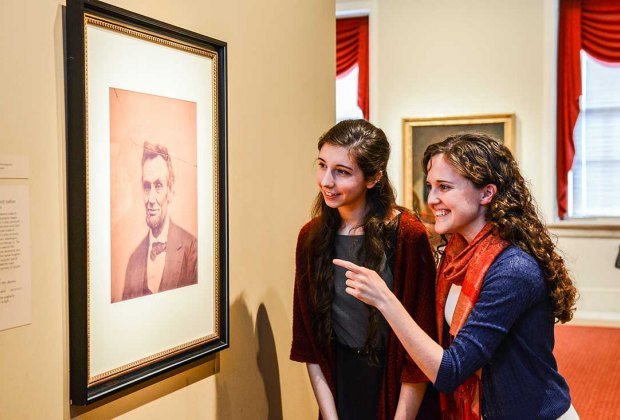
587 90
352 68
346 96
594 181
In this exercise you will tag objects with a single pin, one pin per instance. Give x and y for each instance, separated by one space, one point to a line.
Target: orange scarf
464 265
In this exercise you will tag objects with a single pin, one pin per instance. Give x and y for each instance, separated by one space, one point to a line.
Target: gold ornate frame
418 133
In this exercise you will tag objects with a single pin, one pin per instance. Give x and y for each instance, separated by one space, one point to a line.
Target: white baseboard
596 319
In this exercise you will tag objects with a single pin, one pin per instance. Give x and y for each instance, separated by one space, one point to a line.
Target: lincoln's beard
156 223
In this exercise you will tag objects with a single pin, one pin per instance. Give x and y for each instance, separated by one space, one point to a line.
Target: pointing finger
348 265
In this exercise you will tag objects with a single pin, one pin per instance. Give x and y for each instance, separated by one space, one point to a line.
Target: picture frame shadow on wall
147 201
419 133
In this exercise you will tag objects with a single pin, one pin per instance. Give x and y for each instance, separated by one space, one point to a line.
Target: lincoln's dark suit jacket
180 268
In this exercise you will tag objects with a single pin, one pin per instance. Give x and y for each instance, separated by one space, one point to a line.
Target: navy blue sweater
509 334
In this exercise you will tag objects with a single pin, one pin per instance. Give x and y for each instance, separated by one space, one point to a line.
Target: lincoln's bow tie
157 248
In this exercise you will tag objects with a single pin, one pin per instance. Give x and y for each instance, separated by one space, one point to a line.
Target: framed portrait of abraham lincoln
419 133
146 198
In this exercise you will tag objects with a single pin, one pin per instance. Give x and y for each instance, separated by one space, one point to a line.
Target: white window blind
346 96
595 177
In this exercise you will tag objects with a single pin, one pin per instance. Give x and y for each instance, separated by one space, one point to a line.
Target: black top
350 315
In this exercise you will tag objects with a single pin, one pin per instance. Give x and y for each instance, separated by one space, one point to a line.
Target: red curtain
594 26
352 49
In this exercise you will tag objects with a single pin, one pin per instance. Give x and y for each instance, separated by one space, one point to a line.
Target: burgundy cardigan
414 285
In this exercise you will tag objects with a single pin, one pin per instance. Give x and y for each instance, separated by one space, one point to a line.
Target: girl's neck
352 224
352 221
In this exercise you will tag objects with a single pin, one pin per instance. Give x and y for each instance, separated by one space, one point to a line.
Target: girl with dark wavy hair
501 286
357 367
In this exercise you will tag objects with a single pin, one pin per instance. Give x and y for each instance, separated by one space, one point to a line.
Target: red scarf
464 265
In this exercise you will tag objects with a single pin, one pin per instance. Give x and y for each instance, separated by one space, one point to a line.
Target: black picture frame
87 308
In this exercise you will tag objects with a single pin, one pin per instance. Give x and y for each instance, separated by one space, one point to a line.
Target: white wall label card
15 282
14 167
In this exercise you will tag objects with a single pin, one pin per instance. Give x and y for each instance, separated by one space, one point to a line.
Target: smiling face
458 205
341 180
156 192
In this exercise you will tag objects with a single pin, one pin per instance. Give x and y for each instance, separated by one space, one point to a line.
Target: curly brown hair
513 213
370 149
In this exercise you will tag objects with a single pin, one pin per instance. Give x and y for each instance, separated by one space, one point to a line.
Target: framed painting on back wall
147 198
419 133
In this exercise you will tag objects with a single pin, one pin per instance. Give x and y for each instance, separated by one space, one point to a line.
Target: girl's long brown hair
370 149
484 160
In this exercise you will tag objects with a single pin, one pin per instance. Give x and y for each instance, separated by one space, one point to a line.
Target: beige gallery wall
280 99
457 58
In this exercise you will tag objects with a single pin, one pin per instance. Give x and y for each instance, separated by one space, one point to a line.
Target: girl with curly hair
357 367
501 286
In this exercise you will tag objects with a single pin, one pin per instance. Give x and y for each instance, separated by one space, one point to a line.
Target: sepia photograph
153 194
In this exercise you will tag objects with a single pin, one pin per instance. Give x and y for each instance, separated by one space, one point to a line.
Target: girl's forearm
323 394
367 286
409 400
422 349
